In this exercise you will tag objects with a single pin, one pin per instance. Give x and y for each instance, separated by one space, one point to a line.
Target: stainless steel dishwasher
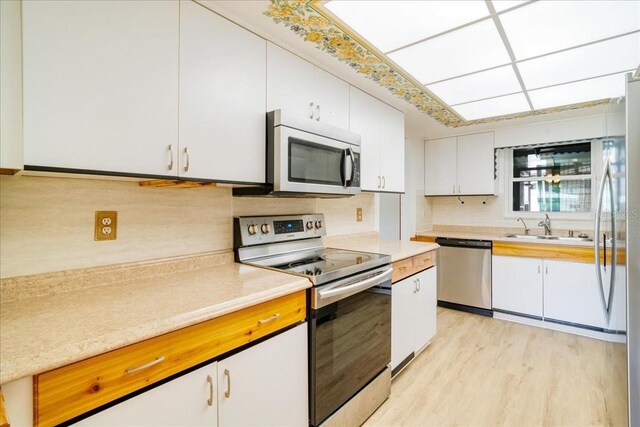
464 275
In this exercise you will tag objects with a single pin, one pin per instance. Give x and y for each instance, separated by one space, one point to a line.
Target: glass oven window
351 344
314 163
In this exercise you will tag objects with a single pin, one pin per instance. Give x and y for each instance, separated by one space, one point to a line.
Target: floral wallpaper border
307 19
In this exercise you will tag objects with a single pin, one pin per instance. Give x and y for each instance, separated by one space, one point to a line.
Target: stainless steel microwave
307 158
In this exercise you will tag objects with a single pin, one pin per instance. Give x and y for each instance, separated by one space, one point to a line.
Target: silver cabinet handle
187 159
269 319
210 399
227 374
459 189
145 366
546 269
318 111
415 286
538 268
170 165
311 110
379 181
454 189
384 182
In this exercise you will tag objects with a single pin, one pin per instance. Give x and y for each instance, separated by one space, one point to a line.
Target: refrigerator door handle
606 301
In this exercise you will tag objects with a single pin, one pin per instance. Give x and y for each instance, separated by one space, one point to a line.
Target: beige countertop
53 329
370 242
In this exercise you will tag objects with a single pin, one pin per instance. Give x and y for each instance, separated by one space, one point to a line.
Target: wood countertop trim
409 266
425 239
4 420
555 252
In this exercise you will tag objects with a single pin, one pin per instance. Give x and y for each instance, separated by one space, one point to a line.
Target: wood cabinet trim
423 239
69 391
409 266
555 252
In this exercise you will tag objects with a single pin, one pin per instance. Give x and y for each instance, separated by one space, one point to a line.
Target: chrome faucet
526 229
546 224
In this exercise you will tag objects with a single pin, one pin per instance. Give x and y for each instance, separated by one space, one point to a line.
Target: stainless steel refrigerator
631 212
617 254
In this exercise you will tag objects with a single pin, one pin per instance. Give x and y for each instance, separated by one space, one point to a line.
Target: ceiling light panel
486 84
584 91
500 5
547 26
392 24
611 56
463 51
509 104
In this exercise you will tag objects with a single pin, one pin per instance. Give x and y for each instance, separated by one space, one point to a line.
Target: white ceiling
492 58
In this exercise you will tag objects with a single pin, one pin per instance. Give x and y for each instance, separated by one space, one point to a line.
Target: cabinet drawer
402 269
72 390
424 261
408 266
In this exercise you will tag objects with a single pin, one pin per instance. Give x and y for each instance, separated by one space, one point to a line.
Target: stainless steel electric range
349 312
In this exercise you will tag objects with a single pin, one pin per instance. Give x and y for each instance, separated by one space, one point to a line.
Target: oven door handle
350 289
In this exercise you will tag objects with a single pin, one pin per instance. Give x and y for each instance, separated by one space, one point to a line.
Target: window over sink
552 178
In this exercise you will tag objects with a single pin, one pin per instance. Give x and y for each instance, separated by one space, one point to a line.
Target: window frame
596 166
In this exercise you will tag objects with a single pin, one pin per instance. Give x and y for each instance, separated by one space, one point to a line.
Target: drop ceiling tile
467 50
500 5
509 104
593 60
392 24
584 91
496 82
548 26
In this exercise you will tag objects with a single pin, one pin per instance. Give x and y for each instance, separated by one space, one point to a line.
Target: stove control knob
318 224
265 228
309 225
253 229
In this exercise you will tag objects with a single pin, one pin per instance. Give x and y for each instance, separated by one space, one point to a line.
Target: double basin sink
560 238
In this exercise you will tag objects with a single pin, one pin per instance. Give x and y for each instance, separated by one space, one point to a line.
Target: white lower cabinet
562 291
182 401
516 285
413 314
264 385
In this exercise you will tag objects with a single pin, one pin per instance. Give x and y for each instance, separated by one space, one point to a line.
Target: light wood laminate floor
480 371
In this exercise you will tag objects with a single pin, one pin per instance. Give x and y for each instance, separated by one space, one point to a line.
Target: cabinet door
331 99
364 120
289 82
266 385
571 293
476 164
403 323
516 285
182 401
392 148
222 98
425 308
100 85
440 164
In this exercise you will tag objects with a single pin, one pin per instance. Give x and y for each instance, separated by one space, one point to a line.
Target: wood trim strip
69 391
176 183
423 239
4 420
556 252
415 264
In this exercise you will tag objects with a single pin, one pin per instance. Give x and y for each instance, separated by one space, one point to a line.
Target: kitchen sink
560 238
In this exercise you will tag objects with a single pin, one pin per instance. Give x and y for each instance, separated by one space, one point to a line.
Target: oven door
350 338
308 163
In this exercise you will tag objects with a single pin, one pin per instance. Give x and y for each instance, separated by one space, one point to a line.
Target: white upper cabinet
440 167
222 98
381 129
100 85
476 164
299 87
461 165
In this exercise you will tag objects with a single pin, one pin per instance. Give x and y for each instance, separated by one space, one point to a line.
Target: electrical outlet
106 225
359 214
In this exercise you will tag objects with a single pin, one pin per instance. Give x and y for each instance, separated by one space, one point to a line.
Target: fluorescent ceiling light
509 104
611 56
392 24
490 83
466 50
573 93
500 5
548 26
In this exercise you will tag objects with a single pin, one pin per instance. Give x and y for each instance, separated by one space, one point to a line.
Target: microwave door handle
343 169
349 168
353 165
